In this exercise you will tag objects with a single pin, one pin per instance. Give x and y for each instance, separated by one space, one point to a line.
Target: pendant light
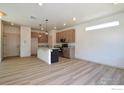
46 26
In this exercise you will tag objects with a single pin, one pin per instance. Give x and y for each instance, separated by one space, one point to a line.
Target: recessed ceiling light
40 4
54 27
64 24
74 19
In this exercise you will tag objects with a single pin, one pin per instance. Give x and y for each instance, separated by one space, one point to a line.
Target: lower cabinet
68 52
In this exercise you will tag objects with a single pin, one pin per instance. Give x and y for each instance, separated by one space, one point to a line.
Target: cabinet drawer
69 52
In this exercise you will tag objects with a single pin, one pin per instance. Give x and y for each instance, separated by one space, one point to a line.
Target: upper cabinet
34 34
42 37
67 36
58 37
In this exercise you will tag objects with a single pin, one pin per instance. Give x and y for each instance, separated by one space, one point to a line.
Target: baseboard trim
99 63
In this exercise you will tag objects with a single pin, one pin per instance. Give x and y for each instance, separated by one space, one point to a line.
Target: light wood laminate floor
32 71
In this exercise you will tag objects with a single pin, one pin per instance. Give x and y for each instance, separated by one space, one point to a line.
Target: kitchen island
48 55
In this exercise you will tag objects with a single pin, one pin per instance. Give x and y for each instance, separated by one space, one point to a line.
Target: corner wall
104 46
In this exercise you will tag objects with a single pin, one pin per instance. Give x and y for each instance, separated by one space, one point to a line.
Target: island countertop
47 47
44 53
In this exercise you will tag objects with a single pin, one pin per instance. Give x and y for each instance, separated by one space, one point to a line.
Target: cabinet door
64 35
43 38
71 35
61 35
40 38
34 34
67 36
46 38
57 37
66 52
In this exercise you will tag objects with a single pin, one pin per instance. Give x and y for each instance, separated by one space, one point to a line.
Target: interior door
12 45
34 46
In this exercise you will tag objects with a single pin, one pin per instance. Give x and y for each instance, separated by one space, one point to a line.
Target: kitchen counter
48 55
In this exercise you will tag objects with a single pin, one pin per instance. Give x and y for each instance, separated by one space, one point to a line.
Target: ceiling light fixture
46 26
43 26
74 18
64 24
100 26
2 14
54 27
40 4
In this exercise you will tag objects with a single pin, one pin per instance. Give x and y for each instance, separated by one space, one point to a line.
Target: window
100 26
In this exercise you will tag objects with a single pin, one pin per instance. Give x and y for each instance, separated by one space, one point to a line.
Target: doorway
11 45
11 40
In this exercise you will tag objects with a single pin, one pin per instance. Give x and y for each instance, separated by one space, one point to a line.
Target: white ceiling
57 13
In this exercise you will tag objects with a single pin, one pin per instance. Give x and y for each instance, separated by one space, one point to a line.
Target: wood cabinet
68 52
42 37
68 35
57 37
34 34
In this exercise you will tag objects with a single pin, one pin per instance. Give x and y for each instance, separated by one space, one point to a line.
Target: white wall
25 41
105 46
